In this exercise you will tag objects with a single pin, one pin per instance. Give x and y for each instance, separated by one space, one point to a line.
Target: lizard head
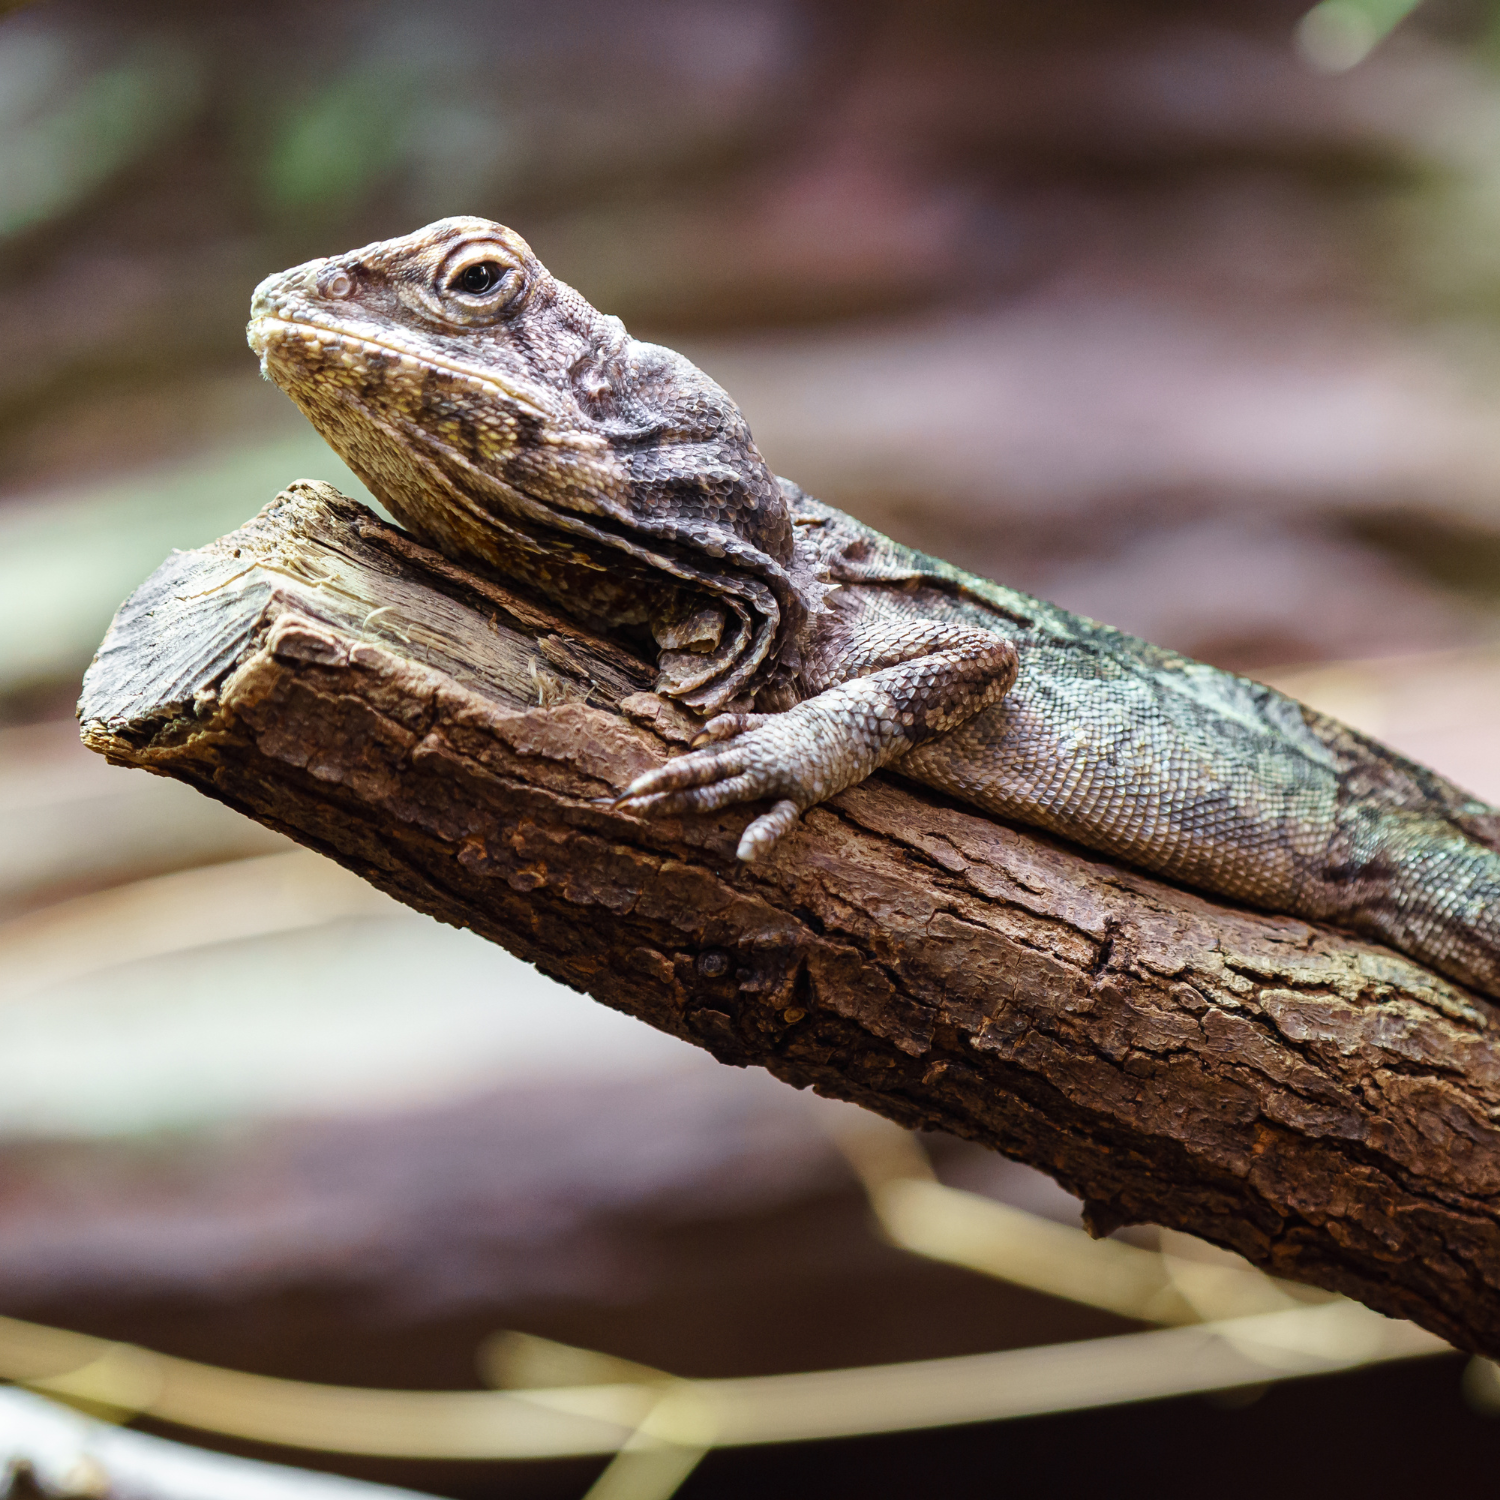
507 422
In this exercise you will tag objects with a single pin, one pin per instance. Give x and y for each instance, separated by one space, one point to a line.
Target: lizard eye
478 284
478 279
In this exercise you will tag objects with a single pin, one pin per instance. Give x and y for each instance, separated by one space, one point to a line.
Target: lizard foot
807 753
737 758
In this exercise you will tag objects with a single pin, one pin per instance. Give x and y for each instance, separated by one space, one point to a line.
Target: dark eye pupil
480 278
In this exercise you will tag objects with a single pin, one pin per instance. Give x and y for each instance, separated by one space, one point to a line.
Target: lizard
505 421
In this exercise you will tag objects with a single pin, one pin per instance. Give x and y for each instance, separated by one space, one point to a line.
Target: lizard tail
1422 885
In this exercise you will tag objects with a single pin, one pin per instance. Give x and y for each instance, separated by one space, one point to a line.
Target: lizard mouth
271 333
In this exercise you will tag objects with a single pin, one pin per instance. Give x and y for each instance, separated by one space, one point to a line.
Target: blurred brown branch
1318 1104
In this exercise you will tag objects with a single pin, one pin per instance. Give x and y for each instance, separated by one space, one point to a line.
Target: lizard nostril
337 283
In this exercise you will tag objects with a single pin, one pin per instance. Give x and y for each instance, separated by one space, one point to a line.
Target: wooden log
1321 1105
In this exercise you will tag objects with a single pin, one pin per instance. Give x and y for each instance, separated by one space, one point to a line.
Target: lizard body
503 419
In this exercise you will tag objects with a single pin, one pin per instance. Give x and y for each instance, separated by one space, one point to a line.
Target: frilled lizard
503 419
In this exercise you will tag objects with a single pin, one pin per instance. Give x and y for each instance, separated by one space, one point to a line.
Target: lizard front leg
943 675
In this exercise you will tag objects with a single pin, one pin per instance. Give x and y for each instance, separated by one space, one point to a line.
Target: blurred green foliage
68 130
326 154
1340 34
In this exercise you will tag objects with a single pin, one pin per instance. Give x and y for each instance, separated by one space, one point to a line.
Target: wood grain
1321 1105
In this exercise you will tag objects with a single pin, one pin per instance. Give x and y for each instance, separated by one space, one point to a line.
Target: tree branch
1323 1106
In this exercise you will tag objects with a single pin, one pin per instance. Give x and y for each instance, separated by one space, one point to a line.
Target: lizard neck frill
479 468
511 528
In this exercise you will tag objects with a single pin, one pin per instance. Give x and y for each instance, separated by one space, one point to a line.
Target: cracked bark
1321 1105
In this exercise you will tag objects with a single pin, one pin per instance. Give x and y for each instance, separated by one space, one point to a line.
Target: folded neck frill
762 602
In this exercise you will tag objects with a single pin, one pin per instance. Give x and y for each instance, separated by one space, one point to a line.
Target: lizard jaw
270 334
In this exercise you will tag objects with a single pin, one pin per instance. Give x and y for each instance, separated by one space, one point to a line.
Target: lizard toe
766 830
698 768
725 727
748 786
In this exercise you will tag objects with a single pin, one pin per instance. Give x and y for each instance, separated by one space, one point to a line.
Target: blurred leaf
329 153
33 67
58 150
1336 35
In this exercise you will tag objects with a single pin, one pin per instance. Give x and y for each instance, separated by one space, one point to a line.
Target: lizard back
1212 779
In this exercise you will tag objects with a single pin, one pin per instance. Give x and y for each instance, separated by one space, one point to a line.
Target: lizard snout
276 294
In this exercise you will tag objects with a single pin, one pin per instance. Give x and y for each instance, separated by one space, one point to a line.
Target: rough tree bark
1319 1104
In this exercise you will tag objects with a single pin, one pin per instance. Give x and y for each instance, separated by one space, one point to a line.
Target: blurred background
1184 315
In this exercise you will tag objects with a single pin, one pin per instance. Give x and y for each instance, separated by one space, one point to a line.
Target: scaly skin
508 423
